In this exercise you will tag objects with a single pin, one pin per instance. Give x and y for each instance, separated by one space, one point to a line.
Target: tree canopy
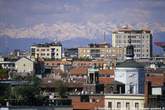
3 73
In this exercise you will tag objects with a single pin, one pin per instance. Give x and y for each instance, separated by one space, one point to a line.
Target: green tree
3 73
4 90
60 88
30 93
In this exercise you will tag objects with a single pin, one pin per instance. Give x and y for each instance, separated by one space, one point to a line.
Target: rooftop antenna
104 37
56 39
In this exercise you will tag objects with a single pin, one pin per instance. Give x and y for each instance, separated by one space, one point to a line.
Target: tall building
47 50
97 51
141 40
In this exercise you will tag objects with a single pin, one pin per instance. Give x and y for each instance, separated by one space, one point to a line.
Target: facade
131 73
141 40
64 66
155 88
19 53
125 102
56 63
71 52
78 73
90 63
47 51
106 76
7 64
24 66
133 78
97 51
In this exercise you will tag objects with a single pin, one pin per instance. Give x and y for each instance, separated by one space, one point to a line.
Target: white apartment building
141 40
47 50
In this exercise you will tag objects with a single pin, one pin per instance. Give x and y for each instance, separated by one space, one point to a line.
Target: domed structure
131 73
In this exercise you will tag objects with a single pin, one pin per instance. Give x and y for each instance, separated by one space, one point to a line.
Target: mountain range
8 44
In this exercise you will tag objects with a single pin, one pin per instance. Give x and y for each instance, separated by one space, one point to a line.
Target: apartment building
97 51
141 40
6 63
123 101
47 50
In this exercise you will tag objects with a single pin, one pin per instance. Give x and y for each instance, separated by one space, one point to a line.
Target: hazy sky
65 19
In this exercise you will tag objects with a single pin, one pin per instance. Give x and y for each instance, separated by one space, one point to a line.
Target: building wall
95 101
46 52
24 65
142 41
56 63
131 77
89 63
101 52
130 100
7 65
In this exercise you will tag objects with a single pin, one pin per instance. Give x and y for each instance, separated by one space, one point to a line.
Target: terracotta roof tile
78 71
106 71
106 80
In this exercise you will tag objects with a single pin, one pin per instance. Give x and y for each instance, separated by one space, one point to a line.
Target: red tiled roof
79 71
106 80
78 105
106 71
54 62
84 106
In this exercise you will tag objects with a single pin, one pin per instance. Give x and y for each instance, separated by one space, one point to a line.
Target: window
131 89
127 106
42 54
118 105
137 106
109 104
52 49
33 50
42 49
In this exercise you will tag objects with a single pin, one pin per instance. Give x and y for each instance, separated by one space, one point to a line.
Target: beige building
124 102
140 39
97 51
24 66
47 51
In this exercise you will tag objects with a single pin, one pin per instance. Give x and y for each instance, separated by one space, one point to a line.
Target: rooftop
48 44
79 71
128 30
106 71
130 64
